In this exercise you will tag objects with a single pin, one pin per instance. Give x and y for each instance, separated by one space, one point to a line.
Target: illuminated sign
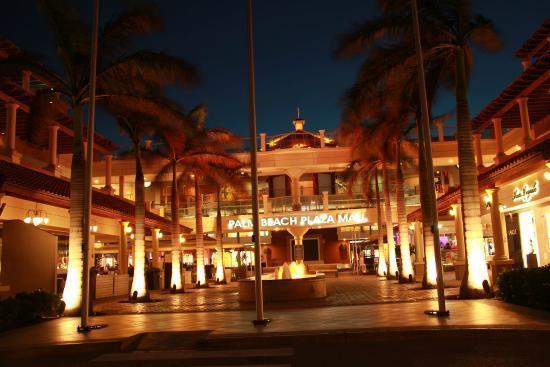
526 192
299 220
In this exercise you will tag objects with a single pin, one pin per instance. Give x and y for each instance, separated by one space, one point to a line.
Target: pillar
26 80
325 200
121 186
108 177
85 147
295 191
459 231
262 142
477 148
525 121
155 234
298 234
419 249
53 146
322 138
498 139
11 125
496 224
440 132
265 202
500 261
123 248
460 262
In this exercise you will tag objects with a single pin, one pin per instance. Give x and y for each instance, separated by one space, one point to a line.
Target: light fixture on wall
147 183
452 212
129 229
36 217
488 201
93 228
182 239
160 235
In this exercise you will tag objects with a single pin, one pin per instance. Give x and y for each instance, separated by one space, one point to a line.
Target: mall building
306 209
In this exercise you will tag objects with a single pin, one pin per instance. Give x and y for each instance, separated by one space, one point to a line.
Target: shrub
527 287
27 308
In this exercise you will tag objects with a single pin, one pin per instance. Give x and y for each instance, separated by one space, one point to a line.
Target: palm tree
365 168
192 152
121 73
450 29
159 113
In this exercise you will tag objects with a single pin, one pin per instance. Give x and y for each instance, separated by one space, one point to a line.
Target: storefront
525 204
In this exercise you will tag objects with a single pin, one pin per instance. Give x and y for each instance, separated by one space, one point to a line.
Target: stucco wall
28 257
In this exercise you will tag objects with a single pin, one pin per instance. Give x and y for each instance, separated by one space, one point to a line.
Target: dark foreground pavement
373 347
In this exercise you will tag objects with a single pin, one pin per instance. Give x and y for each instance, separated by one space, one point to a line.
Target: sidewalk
394 316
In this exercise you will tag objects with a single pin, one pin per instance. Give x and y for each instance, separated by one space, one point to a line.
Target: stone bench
327 269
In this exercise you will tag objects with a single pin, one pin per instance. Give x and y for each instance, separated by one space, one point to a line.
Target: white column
108 170
11 125
53 145
26 80
419 249
525 121
262 142
123 249
85 147
295 192
459 231
496 224
325 200
498 138
477 148
121 186
265 202
155 247
322 136
440 132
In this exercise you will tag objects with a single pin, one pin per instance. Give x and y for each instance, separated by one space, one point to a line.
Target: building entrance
311 249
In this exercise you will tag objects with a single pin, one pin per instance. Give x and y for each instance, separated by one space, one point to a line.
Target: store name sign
300 220
526 192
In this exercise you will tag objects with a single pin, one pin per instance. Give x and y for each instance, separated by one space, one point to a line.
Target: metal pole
260 320
426 141
84 310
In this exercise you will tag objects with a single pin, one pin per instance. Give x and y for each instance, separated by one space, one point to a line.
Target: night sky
293 43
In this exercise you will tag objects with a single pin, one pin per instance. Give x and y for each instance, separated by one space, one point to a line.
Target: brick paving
343 291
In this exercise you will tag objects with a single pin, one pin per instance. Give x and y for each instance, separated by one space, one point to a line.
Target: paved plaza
343 291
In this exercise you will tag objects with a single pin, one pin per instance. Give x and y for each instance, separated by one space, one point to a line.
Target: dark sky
293 41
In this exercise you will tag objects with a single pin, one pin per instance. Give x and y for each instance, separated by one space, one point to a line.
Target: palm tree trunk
201 276
475 273
175 278
138 283
393 270
407 272
429 279
220 274
72 293
382 266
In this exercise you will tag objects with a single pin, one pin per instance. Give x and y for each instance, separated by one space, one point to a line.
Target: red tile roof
533 83
537 44
41 186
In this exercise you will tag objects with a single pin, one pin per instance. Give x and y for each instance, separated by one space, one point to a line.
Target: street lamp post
84 309
260 319
427 144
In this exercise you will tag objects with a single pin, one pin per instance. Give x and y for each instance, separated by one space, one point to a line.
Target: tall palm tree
365 168
160 113
194 152
450 29
121 72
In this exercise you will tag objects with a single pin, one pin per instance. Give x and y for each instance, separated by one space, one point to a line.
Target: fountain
286 283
